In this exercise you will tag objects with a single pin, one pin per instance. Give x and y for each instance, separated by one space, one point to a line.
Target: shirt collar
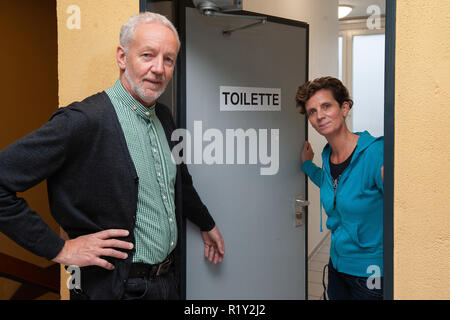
128 101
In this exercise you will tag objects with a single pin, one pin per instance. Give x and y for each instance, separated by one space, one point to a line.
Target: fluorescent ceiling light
344 11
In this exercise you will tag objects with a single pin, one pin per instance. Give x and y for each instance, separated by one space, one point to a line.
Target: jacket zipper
335 185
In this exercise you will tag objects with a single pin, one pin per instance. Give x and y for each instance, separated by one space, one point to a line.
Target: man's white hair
127 30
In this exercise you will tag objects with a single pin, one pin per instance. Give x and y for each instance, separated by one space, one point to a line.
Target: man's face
149 64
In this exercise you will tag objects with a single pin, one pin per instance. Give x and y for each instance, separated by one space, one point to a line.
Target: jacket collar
364 141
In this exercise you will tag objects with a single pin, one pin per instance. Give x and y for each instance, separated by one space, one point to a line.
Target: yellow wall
422 151
86 56
29 81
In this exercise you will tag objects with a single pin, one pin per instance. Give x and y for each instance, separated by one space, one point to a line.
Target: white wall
368 84
321 15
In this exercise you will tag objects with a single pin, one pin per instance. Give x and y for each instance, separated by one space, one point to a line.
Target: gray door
254 209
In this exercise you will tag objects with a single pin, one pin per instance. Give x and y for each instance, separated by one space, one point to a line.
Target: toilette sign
250 99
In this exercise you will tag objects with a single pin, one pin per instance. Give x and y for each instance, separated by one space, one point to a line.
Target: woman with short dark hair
351 190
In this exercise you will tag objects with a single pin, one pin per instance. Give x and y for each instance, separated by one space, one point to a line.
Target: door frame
389 137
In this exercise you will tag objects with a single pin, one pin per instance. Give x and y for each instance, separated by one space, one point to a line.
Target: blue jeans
164 287
343 286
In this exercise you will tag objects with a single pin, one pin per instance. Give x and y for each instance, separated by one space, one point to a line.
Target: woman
351 190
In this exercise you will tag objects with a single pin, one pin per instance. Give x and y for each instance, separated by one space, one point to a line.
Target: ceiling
360 7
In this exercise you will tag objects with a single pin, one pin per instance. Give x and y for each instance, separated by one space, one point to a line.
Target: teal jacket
355 210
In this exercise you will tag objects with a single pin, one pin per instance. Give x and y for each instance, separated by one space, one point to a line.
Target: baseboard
317 247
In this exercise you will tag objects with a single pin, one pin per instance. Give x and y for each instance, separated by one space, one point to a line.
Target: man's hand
307 152
86 250
382 173
214 245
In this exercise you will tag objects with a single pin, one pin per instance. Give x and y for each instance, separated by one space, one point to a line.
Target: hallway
315 269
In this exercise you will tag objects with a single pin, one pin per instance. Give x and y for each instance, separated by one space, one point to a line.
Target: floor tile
321 257
315 289
314 276
316 265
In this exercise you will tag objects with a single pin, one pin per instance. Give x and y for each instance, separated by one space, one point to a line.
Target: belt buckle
164 267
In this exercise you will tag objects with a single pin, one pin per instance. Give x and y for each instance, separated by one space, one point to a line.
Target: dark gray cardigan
92 186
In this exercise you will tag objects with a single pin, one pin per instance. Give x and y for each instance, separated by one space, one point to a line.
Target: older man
113 185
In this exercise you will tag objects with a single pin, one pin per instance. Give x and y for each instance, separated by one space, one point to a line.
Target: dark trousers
343 286
163 287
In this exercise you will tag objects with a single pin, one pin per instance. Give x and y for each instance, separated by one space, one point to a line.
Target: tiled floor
315 270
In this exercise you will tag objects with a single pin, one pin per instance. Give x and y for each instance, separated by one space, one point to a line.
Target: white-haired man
113 185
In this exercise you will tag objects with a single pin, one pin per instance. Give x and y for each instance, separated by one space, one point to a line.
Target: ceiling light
344 11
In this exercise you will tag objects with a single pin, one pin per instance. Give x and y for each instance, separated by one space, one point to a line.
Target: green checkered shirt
156 229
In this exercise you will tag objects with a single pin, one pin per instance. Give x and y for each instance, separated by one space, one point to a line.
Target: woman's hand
307 152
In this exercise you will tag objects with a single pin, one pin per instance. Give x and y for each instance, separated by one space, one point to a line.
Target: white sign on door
250 99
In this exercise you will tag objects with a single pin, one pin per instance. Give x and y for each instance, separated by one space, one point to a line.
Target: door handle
300 204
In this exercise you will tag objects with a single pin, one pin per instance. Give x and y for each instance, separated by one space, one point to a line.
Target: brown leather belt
144 270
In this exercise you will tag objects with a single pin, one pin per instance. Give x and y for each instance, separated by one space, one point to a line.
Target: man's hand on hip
86 250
